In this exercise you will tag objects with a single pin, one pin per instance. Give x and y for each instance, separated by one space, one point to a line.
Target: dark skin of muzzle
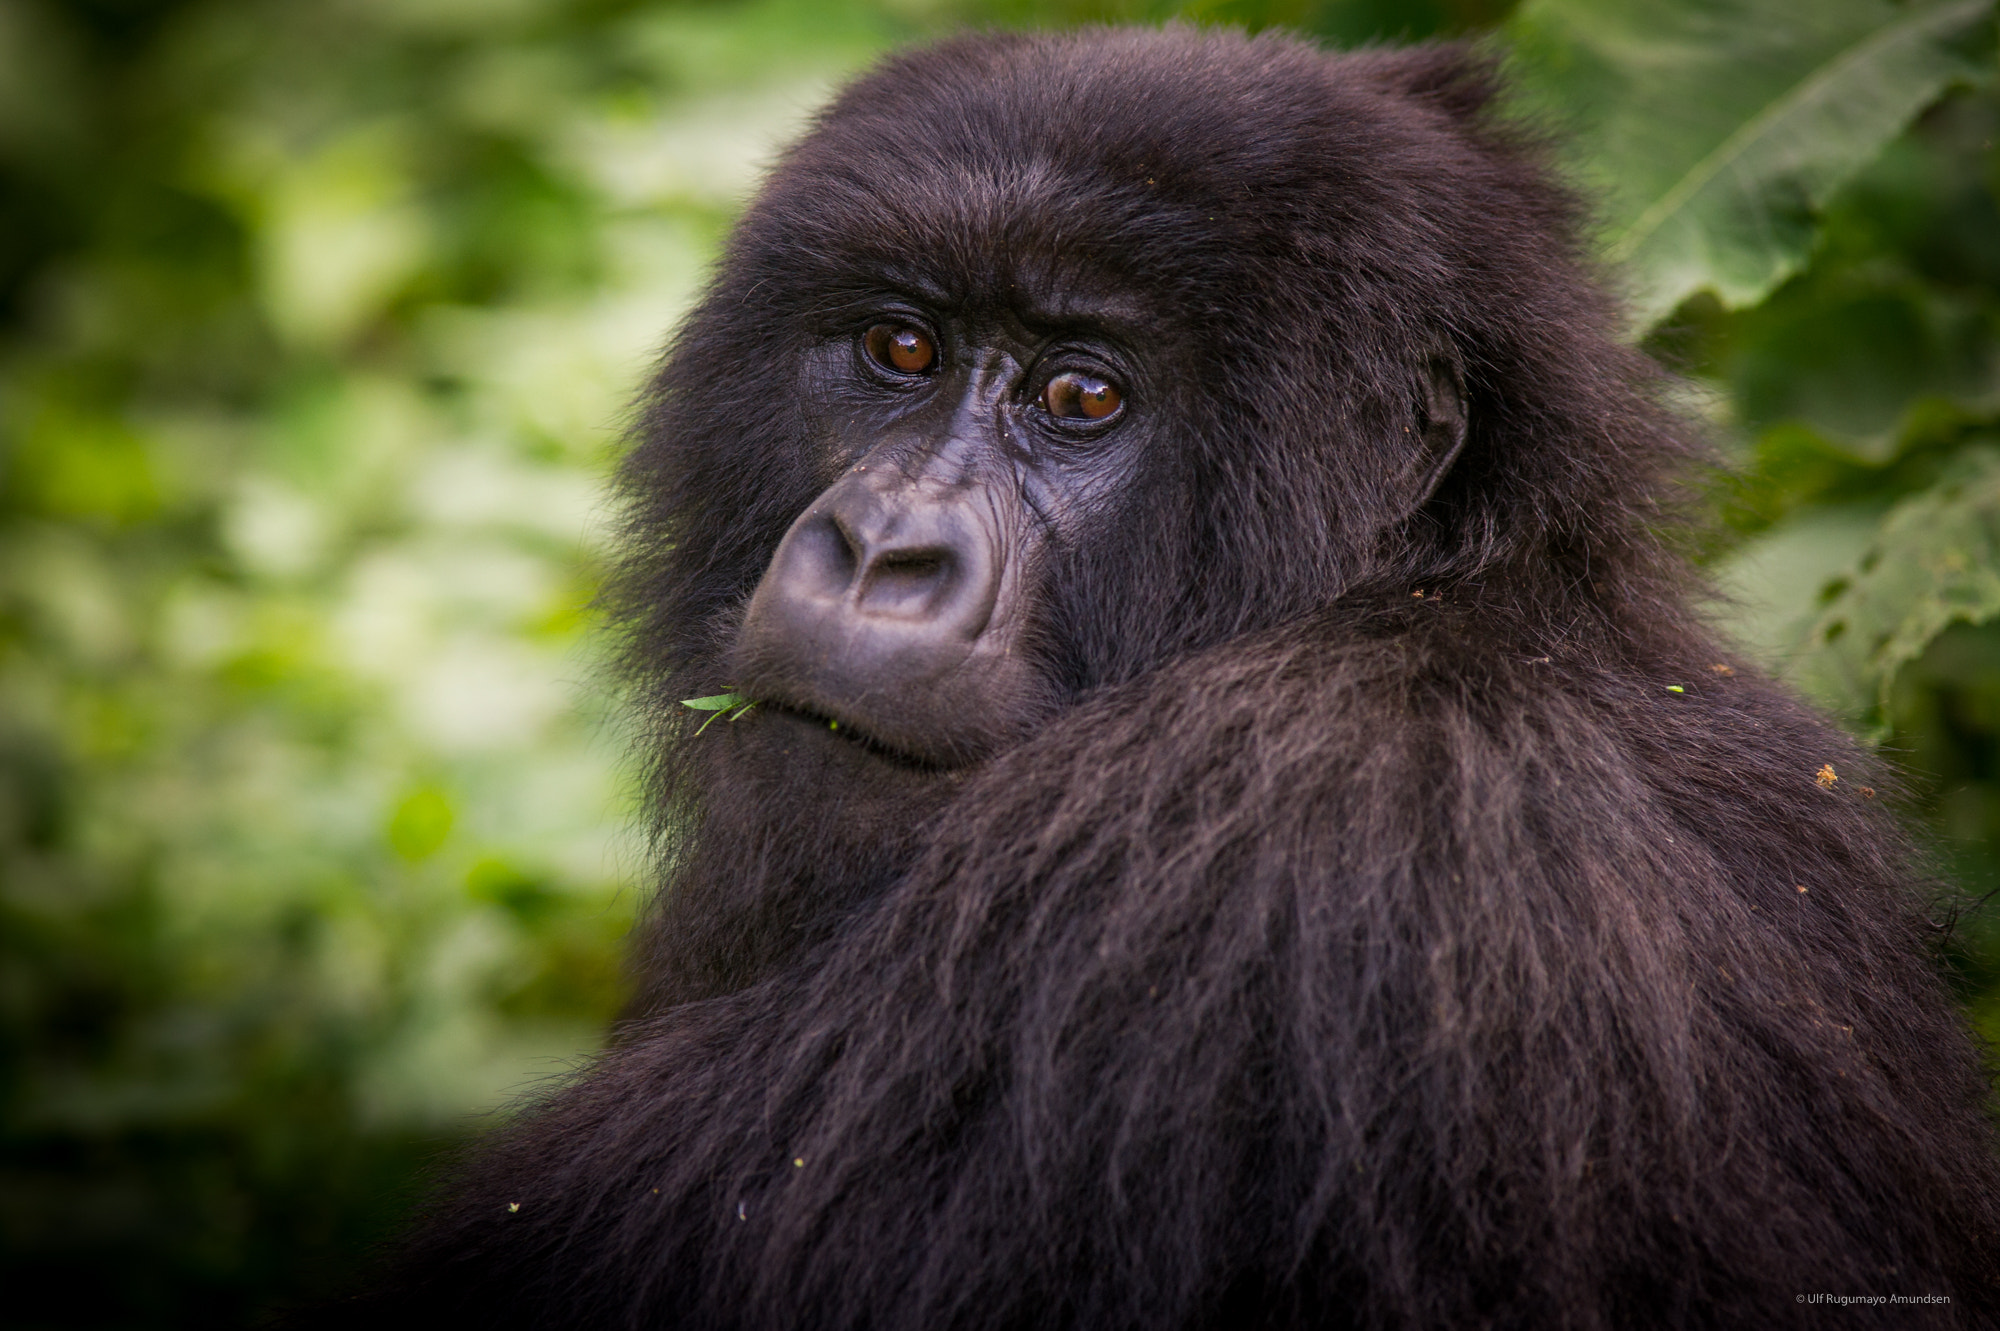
897 608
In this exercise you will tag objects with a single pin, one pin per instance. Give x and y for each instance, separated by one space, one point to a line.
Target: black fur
1385 918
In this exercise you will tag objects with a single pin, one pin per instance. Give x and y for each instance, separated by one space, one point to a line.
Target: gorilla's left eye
1081 397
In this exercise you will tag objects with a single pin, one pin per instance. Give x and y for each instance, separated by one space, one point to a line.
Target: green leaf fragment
716 702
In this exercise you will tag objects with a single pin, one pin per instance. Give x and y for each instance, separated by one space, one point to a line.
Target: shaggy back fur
1396 918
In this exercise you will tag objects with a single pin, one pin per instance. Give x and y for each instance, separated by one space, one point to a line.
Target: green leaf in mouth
736 705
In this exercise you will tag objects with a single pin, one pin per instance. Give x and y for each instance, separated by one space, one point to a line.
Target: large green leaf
1715 131
1934 562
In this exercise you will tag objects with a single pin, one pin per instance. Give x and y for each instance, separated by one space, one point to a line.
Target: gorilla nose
887 563
907 569
875 601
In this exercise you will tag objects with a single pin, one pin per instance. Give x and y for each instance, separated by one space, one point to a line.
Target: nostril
915 565
827 554
907 581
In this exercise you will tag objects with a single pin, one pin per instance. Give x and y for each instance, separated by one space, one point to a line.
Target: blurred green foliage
318 319
1850 364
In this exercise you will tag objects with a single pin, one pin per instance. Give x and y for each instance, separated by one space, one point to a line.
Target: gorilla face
1034 378
1030 372
899 609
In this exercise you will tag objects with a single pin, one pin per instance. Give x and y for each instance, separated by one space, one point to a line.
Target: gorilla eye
900 348
1080 397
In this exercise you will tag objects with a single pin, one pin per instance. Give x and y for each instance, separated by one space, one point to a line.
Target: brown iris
900 348
1080 397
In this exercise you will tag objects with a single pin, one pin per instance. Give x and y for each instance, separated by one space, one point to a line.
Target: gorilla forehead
1029 236
1178 157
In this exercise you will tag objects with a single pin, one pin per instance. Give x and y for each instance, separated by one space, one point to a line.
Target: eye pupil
1075 396
902 349
910 350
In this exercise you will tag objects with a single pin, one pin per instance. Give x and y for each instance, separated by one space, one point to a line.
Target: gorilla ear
1441 434
1450 75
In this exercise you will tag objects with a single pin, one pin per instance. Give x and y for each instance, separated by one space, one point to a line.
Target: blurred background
318 322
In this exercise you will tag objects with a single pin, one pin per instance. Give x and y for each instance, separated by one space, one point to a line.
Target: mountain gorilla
1239 825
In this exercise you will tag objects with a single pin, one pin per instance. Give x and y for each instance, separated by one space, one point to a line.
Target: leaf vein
1726 153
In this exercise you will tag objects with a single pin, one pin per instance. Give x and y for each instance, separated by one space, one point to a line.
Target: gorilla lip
847 732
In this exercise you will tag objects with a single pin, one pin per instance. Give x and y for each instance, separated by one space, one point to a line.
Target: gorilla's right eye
900 348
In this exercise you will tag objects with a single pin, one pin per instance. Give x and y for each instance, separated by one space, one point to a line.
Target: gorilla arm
1338 969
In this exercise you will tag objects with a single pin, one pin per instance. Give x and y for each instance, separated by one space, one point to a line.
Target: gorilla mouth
845 731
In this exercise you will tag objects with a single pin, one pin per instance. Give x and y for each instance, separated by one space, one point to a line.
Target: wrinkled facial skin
898 612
